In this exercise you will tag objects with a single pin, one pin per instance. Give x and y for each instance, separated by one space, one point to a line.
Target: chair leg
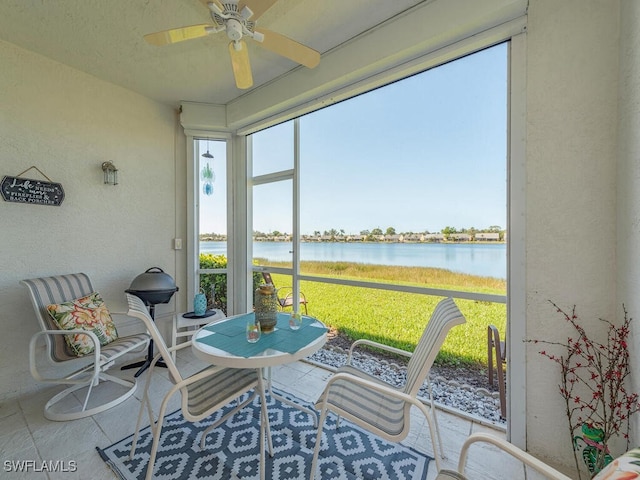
154 448
239 406
435 424
145 402
432 432
495 347
265 428
316 449
490 354
157 430
174 335
501 388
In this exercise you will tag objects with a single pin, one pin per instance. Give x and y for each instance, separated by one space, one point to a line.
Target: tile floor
26 435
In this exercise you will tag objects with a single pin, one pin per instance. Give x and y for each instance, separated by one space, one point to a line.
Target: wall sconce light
110 173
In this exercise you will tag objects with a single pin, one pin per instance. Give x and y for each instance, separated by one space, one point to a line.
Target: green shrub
214 285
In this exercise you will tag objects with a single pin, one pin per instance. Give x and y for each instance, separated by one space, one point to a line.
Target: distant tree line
448 233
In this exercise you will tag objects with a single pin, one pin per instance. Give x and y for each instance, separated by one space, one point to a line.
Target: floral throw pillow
86 313
626 467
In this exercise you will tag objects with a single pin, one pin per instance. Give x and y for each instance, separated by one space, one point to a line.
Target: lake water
487 260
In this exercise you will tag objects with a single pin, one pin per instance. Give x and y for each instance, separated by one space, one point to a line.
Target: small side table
186 327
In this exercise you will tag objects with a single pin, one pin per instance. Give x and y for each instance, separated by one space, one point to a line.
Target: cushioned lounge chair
78 372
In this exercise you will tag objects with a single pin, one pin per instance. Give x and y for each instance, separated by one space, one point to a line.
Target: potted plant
592 384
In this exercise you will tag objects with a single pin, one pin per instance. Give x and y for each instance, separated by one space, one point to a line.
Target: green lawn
396 318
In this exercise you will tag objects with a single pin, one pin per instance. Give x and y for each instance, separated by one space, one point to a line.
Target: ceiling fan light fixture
234 29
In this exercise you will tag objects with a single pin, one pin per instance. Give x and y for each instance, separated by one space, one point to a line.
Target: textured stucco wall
67 123
572 89
628 187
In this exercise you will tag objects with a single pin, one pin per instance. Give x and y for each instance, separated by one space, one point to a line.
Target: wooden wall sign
27 190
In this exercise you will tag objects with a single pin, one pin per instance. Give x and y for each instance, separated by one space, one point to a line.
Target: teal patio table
224 343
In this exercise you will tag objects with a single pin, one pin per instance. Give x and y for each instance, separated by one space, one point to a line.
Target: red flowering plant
592 384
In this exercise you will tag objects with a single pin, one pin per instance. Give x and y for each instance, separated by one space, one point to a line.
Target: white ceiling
104 38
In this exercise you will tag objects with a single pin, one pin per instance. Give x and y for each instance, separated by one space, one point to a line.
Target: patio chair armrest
381 346
207 372
32 355
120 316
174 348
179 346
386 389
519 454
124 320
289 294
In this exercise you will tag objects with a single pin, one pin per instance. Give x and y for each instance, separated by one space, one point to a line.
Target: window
406 161
273 216
211 160
410 176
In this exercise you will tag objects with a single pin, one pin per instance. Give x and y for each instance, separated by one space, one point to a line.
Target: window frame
193 211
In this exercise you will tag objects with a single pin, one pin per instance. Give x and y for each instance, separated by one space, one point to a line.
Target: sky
418 155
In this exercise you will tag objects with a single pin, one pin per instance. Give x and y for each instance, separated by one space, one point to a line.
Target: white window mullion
296 214
241 226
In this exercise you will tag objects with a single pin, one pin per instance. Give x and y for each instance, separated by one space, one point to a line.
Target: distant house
393 238
355 238
460 237
433 237
488 236
414 237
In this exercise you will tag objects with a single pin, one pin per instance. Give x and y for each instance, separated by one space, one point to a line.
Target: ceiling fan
238 21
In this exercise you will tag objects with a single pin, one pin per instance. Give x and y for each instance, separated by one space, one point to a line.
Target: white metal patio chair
379 407
80 372
202 393
510 449
286 300
497 350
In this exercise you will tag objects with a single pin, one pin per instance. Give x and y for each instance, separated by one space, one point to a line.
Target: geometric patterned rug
231 450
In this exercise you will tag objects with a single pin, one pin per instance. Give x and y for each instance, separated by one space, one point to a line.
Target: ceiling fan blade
289 48
167 37
258 7
240 63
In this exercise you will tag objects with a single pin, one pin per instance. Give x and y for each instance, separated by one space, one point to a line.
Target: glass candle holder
253 331
295 321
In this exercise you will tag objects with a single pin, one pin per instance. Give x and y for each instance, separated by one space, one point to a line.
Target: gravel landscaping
459 389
